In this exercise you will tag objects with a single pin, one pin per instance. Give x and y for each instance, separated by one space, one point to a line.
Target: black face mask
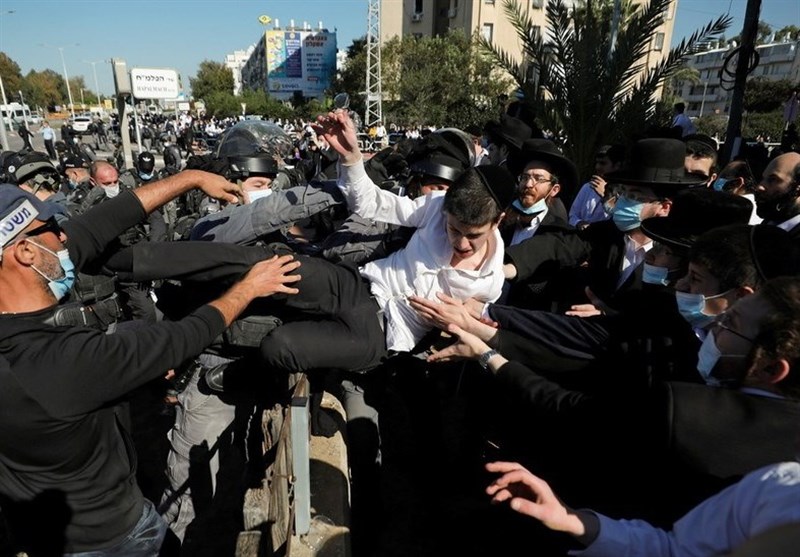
780 208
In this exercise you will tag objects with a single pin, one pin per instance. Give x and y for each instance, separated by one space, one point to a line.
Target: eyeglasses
723 321
50 225
532 178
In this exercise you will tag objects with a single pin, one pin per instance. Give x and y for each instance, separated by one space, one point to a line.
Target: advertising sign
154 83
302 61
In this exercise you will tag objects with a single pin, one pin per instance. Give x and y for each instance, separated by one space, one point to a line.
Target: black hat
702 139
509 130
146 162
444 154
694 212
656 162
546 151
72 161
499 182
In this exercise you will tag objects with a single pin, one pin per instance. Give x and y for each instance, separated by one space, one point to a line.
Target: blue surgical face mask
145 175
627 214
707 358
719 184
60 286
653 274
691 307
537 207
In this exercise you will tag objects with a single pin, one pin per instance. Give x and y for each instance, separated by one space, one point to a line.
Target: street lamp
94 71
66 77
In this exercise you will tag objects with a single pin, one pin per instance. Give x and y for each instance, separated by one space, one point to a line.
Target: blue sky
180 34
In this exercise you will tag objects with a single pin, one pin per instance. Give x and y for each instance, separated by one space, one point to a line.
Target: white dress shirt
634 256
522 234
423 267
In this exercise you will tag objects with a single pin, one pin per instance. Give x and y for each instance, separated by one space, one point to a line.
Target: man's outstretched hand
339 131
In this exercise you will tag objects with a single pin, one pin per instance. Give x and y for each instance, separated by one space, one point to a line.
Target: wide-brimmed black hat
695 212
657 162
509 130
545 151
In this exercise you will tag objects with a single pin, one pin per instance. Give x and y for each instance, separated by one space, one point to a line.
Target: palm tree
587 90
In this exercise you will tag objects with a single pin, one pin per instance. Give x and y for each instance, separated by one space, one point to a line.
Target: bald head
777 193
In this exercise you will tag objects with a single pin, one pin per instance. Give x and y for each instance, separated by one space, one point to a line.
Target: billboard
303 60
154 83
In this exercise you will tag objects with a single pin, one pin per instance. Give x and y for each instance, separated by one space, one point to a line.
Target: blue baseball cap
18 209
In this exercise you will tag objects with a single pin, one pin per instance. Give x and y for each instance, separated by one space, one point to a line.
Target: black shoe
213 378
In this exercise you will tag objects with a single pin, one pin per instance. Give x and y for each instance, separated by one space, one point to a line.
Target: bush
769 125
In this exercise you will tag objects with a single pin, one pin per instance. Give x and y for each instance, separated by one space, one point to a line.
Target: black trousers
336 326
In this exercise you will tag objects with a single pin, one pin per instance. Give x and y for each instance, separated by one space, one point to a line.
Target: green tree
715 125
792 32
42 89
764 95
769 125
764 32
211 77
10 72
584 89
442 81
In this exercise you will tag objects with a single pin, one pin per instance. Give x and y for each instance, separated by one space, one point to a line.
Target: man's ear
23 254
774 372
554 191
743 291
666 205
499 219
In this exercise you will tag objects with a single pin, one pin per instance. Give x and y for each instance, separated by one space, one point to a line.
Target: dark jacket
600 248
67 467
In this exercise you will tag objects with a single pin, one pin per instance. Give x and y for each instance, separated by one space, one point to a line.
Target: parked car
81 123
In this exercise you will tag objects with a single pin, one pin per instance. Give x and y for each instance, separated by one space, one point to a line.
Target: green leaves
584 87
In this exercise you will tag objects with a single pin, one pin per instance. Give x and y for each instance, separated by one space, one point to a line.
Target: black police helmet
257 164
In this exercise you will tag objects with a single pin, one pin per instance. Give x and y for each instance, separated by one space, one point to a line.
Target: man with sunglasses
67 466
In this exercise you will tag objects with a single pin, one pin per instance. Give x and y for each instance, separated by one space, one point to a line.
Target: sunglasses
50 225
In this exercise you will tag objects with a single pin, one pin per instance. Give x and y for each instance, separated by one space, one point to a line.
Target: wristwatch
484 358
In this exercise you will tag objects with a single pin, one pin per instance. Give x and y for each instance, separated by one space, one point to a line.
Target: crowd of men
631 335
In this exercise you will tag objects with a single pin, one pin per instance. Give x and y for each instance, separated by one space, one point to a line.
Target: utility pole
374 112
733 136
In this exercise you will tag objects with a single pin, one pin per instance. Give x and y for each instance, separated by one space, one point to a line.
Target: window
487 31
659 42
669 11
418 8
537 4
488 1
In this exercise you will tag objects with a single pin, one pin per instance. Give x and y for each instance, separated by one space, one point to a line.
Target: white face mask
707 359
258 194
111 191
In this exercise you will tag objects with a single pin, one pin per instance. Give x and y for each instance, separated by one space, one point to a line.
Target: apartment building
235 62
712 95
427 18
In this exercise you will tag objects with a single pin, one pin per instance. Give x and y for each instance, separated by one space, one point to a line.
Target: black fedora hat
546 151
509 130
657 162
694 212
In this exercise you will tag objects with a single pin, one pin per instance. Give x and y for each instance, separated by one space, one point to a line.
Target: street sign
154 83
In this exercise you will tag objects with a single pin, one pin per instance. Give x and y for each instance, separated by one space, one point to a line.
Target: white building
235 62
777 60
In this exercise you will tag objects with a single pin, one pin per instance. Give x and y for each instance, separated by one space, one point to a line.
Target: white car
81 123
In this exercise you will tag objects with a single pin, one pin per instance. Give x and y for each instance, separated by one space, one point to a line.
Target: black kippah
499 182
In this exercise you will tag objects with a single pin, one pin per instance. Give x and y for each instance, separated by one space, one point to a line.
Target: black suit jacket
595 254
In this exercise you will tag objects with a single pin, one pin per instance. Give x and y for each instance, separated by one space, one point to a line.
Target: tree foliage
43 89
764 95
441 81
212 77
12 75
584 89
